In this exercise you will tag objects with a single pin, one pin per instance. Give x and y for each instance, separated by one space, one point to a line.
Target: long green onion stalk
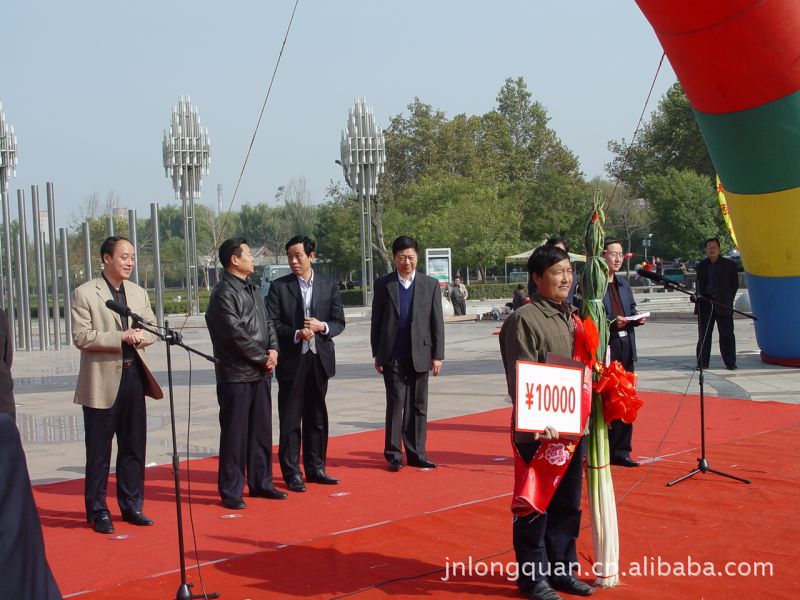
602 502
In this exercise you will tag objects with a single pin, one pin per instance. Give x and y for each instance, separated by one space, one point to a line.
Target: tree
337 231
671 138
627 218
686 212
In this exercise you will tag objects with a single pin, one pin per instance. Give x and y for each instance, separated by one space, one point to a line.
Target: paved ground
471 381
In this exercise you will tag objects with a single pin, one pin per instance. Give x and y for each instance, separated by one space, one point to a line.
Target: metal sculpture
363 159
186 159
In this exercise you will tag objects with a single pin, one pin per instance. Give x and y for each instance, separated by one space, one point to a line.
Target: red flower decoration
594 217
618 389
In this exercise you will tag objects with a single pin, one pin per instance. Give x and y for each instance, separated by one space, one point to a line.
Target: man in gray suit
407 336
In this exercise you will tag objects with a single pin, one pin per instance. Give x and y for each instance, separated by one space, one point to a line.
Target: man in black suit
407 336
307 312
718 280
619 303
23 563
7 405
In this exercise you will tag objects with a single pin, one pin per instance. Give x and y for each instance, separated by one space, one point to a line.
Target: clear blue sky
89 85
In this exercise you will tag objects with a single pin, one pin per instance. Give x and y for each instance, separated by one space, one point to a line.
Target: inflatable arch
739 64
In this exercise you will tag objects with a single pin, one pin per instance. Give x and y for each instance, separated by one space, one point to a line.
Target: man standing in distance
247 349
619 303
112 383
407 336
307 312
718 280
458 296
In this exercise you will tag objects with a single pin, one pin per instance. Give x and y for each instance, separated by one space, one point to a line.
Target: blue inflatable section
777 329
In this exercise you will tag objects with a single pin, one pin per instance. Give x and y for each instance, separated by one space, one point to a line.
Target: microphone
651 275
124 311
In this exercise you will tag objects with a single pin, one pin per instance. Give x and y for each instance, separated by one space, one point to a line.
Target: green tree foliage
671 138
686 212
337 232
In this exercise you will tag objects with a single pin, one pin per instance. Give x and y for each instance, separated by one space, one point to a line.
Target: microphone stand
174 338
702 462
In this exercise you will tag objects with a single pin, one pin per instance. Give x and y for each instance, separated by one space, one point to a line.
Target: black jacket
726 284
285 308
240 330
427 322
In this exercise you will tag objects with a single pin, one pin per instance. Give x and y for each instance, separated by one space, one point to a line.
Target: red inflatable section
730 55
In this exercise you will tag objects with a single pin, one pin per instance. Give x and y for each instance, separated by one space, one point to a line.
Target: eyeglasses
615 254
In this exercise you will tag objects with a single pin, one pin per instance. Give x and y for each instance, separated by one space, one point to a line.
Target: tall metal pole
23 257
66 286
87 251
157 263
21 340
186 158
110 225
41 288
8 167
132 237
363 159
51 222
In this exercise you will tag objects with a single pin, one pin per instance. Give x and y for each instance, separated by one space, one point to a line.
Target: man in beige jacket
112 383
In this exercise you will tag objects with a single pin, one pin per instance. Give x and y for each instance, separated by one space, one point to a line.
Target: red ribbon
618 389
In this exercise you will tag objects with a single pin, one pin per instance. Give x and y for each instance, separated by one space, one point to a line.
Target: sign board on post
438 264
549 395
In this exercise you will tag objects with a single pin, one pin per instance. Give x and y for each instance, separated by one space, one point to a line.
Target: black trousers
245 440
406 412
707 315
303 418
23 563
620 435
459 306
544 544
127 419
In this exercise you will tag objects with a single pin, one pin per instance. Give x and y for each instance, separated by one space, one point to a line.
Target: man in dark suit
407 336
23 562
7 405
619 304
307 312
718 280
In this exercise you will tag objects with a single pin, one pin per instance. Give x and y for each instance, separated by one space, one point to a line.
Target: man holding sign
545 537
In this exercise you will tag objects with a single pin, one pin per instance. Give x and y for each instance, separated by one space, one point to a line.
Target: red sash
536 482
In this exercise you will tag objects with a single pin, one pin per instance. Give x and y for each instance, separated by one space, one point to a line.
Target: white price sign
548 395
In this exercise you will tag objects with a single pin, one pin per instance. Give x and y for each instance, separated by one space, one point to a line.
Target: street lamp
363 159
646 244
8 166
186 158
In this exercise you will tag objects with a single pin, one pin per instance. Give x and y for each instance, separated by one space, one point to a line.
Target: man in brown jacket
112 383
545 544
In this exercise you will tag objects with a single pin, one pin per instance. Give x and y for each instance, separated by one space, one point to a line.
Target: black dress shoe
271 494
234 503
138 518
572 585
731 367
321 477
423 464
103 523
541 590
395 465
624 462
296 484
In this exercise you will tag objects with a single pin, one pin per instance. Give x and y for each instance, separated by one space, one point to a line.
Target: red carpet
394 533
